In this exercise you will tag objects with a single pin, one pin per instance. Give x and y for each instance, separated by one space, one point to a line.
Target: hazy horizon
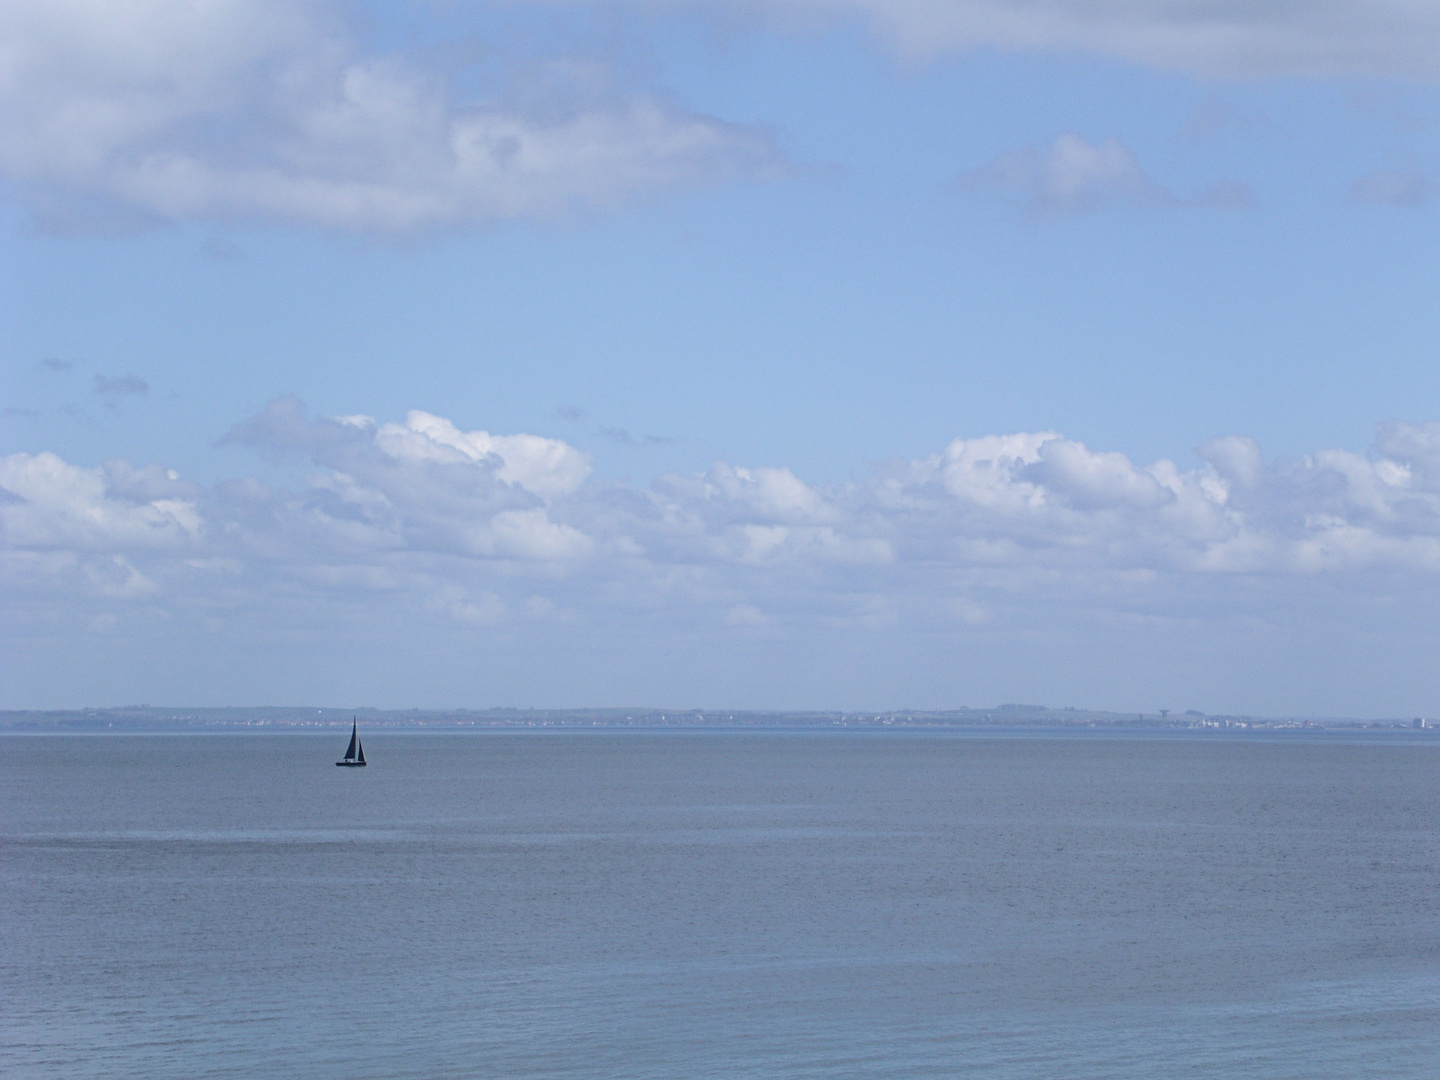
179 718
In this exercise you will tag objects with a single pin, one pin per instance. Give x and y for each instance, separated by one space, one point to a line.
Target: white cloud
762 494
1418 447
1366 38
421 485
547 467
1028 504
420 530
49 504
267 110
119 114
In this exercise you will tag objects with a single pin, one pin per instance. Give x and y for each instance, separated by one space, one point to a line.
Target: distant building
1420 721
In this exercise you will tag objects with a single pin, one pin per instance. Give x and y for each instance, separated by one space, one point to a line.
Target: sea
688 905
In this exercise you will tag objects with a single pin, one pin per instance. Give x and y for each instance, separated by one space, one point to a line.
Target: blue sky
766 283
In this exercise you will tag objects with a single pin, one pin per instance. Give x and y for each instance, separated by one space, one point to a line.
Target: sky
849 354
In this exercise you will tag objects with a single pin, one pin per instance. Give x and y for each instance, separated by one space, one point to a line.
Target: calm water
719 905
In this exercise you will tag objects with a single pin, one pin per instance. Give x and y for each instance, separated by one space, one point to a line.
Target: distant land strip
138 718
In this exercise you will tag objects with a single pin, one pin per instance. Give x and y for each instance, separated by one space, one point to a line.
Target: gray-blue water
708 905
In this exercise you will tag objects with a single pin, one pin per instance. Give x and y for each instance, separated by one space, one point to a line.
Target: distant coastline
148 718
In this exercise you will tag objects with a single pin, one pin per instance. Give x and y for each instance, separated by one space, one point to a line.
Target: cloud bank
421 522
414 561
270 111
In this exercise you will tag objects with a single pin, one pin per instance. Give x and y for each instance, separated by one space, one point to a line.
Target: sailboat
354 753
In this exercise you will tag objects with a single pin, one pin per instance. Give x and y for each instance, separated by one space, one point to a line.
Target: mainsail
354 753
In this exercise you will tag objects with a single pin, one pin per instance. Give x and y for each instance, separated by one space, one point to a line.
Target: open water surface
719 905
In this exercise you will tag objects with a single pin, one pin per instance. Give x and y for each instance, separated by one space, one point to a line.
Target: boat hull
351 764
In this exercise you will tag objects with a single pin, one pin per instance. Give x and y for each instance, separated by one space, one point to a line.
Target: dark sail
354 748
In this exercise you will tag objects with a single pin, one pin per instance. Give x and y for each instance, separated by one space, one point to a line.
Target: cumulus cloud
547 467
1367 38
51 505
543 466
421 485
421 530
422 505
267 110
